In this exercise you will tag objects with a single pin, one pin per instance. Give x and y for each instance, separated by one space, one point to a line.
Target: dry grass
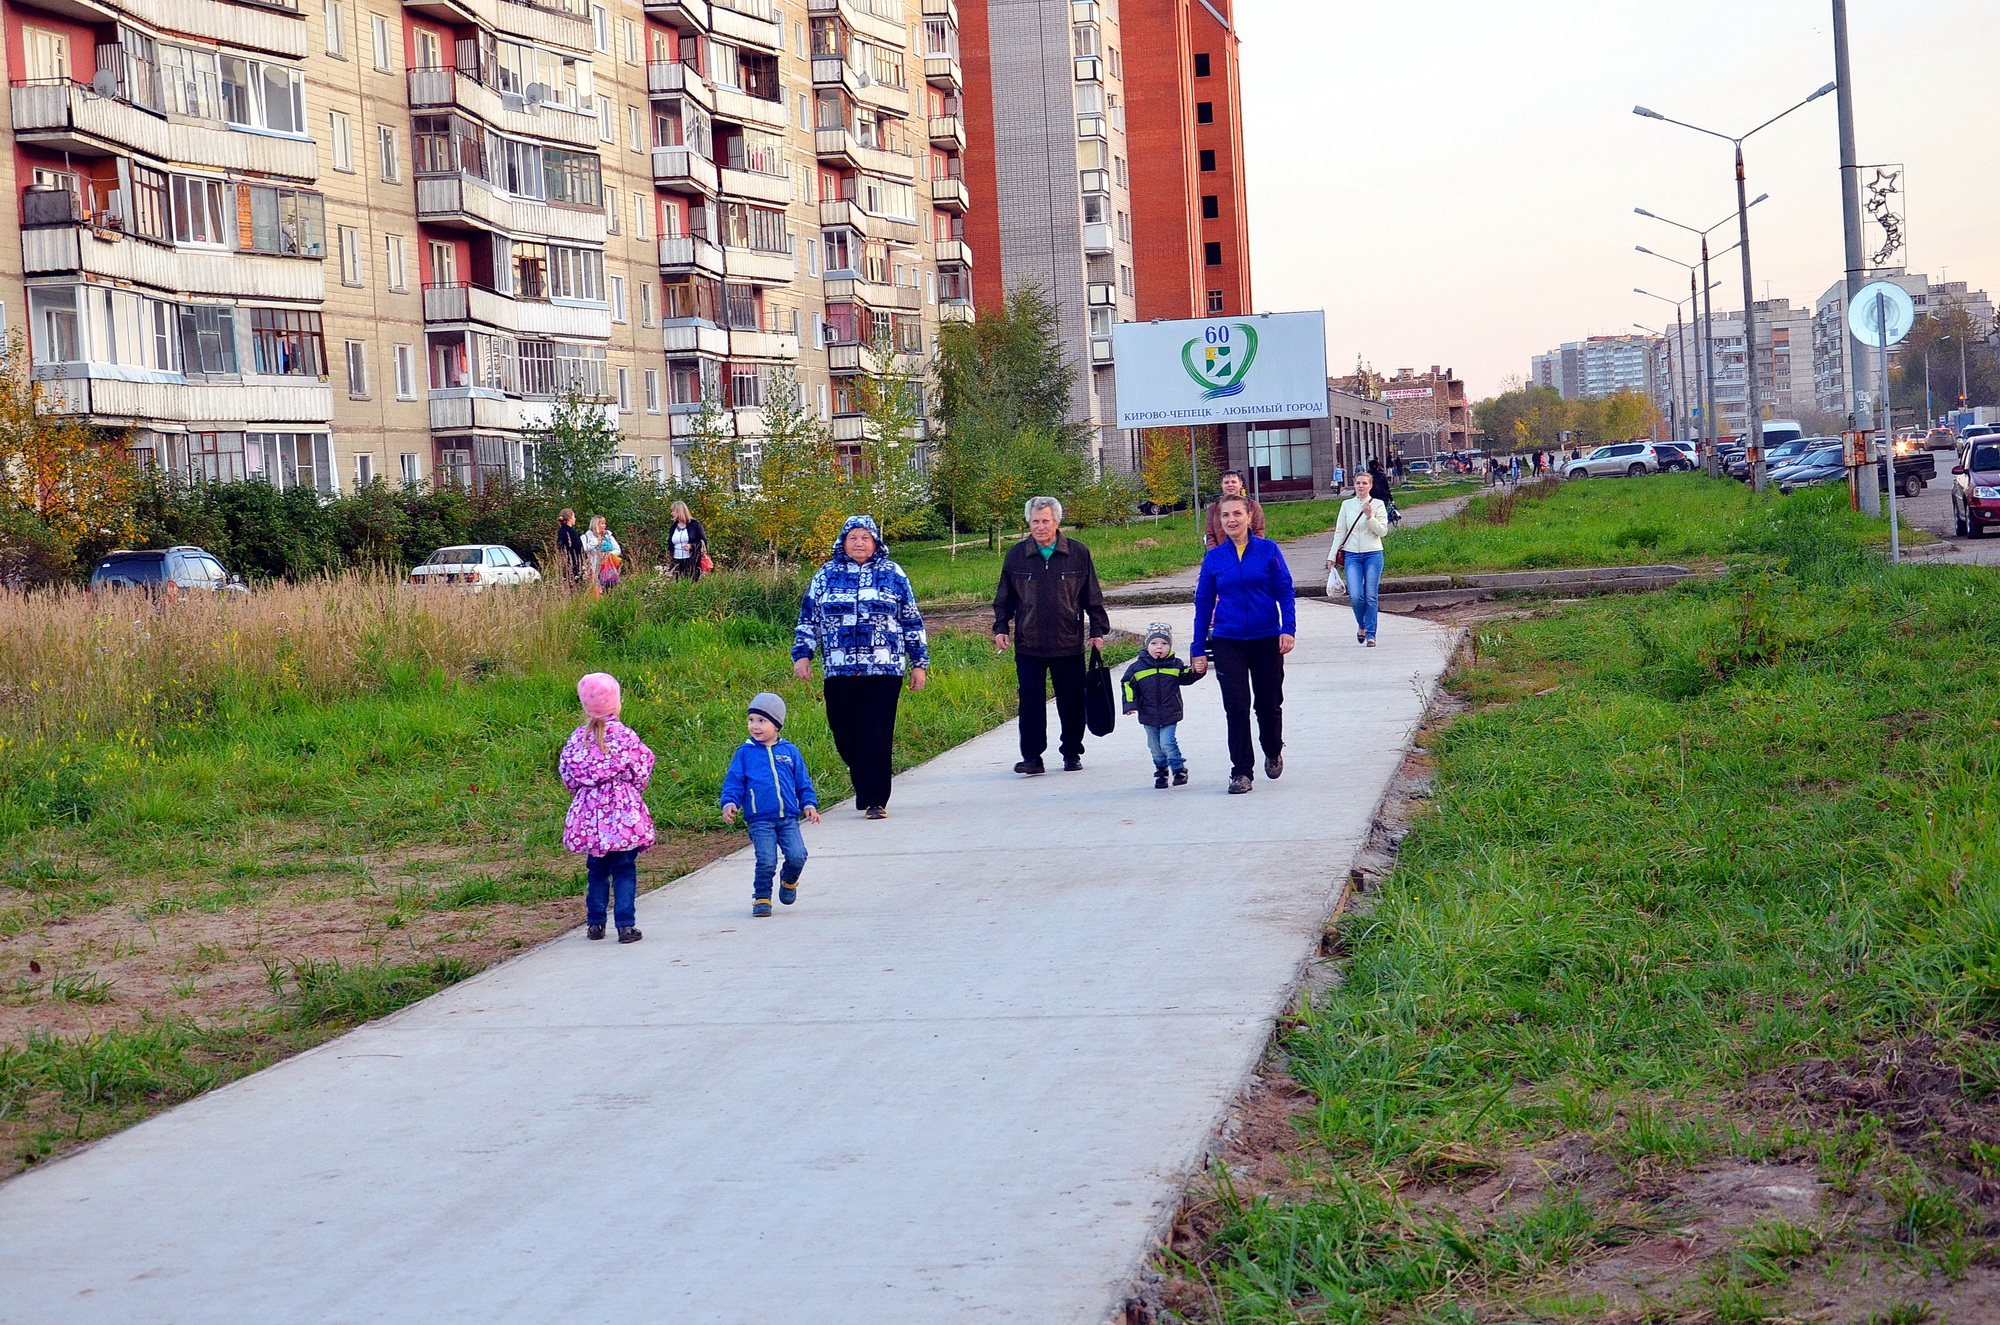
121 667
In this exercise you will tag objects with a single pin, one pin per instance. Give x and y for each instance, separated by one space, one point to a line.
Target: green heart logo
1220 366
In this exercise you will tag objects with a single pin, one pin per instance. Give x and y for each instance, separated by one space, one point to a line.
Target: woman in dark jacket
569 546
1382 489
687 543
1244 613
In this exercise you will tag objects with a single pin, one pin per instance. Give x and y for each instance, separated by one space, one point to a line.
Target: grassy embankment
231 829
1706 880
1126 553
1679 519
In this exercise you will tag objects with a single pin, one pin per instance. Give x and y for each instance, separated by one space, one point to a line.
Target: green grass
1174 544
1680 519
1683 840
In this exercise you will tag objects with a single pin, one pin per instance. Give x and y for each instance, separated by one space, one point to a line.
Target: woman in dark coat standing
569 546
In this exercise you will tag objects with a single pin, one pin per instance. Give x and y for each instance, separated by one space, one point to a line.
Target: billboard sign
1221 370
1409 393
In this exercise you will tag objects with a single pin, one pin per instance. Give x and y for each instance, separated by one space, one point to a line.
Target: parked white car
1618 459
475 566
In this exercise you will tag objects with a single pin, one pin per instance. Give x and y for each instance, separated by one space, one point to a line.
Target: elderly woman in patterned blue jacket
860 616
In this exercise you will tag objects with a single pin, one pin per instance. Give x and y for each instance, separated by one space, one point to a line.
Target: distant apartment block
1784 363
339 242
1108 136
1598 366
1832 348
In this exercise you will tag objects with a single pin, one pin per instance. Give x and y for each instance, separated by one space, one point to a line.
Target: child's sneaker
630 934
595 931
761 907
788 892
1160 778
1180 777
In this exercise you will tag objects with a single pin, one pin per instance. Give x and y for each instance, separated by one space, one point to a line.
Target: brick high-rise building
356 240
1108 134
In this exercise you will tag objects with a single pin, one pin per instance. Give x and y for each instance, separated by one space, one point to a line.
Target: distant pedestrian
1245 612
606 767
1382 491
687 544
768 783
1357 548
600 543
1050 607
1232 486
859 614
1339 479
569 548
1152 689
1514 469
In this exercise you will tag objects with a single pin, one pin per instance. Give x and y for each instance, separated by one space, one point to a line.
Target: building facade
1784 364
1093 122
357 241
1294 461
1832 349
1428 412
1598 366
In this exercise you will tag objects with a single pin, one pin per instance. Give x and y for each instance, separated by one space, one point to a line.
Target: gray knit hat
770 706
1159 630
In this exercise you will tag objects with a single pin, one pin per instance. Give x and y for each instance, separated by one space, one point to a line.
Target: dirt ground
1684 1226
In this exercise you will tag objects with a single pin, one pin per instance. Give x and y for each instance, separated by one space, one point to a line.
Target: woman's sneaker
761 907
788 892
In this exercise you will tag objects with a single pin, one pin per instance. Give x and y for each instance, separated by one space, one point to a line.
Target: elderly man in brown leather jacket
1049 606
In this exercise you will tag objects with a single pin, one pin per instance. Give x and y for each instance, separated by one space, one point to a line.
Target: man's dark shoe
595 931
629 934
1239 784
1030 767
1071 763
1274 767
878 812
1180 777
1160 778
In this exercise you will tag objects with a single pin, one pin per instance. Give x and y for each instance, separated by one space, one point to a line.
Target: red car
1975 488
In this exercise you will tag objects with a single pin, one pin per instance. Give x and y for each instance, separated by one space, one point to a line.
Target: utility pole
1708 363
1850 218
1754 402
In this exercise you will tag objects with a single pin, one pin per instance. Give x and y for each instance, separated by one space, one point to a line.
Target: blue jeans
1165 745
615 875
767 836
1364 583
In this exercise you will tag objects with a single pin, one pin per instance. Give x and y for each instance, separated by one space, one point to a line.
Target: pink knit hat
599 693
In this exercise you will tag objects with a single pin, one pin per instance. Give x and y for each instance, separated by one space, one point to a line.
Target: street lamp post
1707 349
1673 380
1687 377
1753 402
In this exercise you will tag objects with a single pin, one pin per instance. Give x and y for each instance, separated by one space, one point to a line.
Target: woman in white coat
1357 552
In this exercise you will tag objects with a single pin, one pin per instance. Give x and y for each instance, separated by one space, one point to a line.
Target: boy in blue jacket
768 782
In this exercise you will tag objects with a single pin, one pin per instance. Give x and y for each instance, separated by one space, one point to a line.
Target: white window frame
624 390
617 288
646 303
652 391
611 211
641 226
350 254
396 262
389 151
335 15
607 120
406 372
340 132
357 369
600 28
385 49
631 41
364 469
412 465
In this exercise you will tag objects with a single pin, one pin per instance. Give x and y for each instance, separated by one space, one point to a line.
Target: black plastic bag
1100 697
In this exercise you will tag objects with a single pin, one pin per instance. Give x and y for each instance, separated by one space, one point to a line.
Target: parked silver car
1620 459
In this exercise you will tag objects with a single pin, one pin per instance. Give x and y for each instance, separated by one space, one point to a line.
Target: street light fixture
1688 394
1707 315
1753 402
1676 395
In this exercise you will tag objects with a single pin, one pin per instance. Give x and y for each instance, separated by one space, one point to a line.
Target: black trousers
1241 667
1034 674
861 712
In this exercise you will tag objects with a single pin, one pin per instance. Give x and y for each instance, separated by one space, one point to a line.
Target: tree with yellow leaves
77 483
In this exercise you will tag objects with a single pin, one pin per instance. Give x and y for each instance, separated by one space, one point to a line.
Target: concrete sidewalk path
965 1079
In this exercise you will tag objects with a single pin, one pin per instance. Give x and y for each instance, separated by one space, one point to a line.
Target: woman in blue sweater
1245 617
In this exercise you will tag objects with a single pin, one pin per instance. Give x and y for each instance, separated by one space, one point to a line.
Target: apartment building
351 241
1596 366
1832 349
1784 363
1108 134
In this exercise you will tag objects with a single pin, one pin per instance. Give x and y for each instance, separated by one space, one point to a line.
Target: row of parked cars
1631 459
187 569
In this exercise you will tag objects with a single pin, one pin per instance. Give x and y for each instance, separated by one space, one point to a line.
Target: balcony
944 71
547 121
874 19
684 16
956 310
69 117
1100 349
251 400
695 338
749 264
951 194
836 145
847 360
742 108
752 185
562 23
237 26
475 409
1101 294
1089 69
1097 237
941 9
459 302
852 289
844 211
948 132
954 250
459 202
1091 126
121 257
666 78
751 22
684 170
763 345
842 146
682 255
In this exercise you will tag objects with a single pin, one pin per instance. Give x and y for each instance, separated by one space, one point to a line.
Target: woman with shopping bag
1356 558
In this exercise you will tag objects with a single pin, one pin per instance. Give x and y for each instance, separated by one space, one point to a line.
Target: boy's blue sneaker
788 892
761 907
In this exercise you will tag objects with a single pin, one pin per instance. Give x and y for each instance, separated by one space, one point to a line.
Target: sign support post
1880 315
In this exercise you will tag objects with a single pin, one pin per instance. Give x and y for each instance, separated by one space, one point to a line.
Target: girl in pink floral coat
606 767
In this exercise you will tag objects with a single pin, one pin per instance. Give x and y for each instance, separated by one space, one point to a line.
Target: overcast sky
1453 180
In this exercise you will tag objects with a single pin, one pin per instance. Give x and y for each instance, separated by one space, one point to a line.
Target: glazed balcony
852 289
1096 238
951 194
842 211
842 146
684 170
475 409
459 302
462 203
120 257
940 9
948 132
689 255
849 360
67 116
438 88
672 78
956 310
883 21
563 23
238 26
247 400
